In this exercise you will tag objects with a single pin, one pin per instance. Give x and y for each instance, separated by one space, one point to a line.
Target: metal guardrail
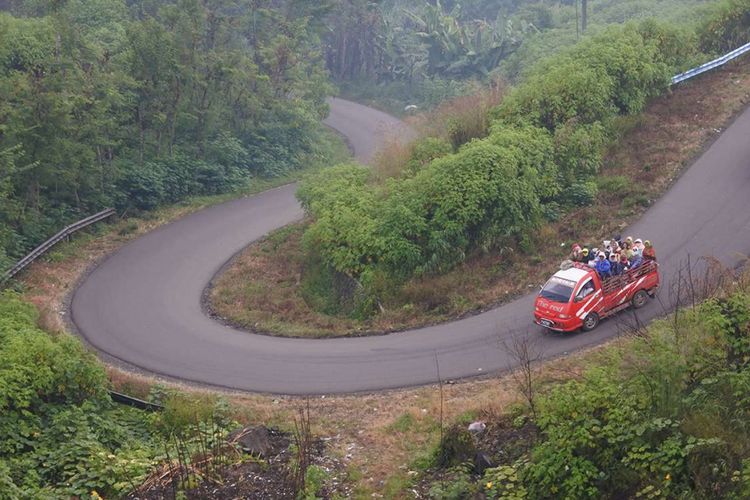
711 64
41 249
140 404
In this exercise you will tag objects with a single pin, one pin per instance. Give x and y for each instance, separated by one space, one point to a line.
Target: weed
617 185
403 423
127 228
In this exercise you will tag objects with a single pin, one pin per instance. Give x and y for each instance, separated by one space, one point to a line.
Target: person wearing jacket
603 266
624 263
614 263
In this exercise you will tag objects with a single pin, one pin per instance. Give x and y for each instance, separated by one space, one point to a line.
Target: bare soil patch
261 290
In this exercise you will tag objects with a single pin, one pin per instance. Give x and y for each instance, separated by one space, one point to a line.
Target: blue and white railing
711 65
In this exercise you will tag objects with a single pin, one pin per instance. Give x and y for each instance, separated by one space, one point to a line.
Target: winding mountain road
142 305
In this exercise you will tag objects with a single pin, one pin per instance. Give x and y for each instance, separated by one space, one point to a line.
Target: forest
142 103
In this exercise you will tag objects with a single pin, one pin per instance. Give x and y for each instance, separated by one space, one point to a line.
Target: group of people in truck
615 256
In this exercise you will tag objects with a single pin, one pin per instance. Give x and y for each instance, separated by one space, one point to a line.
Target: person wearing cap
648 251
603 266
638 244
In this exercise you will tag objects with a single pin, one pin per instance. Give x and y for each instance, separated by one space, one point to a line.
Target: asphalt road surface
142 305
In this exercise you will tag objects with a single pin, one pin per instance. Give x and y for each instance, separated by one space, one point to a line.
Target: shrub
618 185
60 435
664 415
458 487
426 150
581 193
535 152
344 232
504 483
727 28
579 150
142 187
480 196
614 72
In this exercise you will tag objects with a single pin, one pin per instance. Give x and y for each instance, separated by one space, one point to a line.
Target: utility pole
577 32
584 15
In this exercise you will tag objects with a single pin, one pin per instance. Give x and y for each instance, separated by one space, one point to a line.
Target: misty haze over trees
421 52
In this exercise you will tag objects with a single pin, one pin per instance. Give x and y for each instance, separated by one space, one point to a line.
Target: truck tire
639 299
591 322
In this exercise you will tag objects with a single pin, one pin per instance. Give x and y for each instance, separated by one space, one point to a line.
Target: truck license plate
547 323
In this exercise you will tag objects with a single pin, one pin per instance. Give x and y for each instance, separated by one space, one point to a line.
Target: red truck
576 297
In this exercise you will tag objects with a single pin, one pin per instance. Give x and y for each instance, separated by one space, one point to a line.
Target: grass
652 151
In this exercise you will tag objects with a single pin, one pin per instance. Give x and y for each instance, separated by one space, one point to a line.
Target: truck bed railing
615 283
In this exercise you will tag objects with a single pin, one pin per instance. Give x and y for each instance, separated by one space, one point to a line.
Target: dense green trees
141 103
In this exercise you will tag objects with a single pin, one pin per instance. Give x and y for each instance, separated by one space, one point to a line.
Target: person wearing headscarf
624 263
648 251
614 263
603 266
576 253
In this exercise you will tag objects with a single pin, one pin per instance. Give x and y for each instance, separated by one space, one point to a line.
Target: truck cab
576 297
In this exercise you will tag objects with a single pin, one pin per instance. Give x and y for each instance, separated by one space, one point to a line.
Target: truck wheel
591 322
639 299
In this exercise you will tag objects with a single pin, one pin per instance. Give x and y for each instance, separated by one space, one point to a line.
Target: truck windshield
558 289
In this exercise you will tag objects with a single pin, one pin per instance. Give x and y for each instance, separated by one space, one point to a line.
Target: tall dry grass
457 121
464 118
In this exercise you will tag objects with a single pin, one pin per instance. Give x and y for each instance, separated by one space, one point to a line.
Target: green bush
504 483
424 151
581 194
544 149
727 28
60 436
579 150
457 486
617 185
610 73
345 211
